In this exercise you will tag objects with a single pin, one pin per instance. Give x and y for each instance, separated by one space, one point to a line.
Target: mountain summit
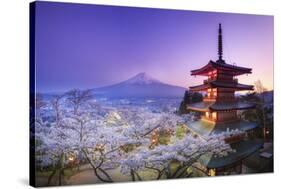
141 78
141 85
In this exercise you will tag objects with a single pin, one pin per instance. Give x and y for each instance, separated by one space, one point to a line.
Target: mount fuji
140 86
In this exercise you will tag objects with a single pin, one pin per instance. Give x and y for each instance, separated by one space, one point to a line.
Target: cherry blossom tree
133 139
184 152
51 139
77 98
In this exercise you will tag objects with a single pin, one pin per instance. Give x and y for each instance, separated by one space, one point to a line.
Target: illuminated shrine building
220 108
220 104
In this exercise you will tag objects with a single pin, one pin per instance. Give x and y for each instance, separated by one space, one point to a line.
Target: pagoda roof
219 106
221 65
200 106
243 149
205 128
259 163
214 84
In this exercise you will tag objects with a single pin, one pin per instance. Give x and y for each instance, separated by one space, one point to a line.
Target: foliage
189 97
71 131
263 112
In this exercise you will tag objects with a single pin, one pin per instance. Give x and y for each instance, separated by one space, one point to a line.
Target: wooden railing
219 99
215 79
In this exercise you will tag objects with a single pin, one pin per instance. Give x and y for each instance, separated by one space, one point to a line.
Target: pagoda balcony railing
216 98
206 81
208 119
211 119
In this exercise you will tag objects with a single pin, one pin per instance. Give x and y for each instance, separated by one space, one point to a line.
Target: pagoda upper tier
220 65
219 84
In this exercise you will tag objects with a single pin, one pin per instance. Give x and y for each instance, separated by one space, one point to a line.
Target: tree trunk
140 179
133 175
106 174
51 177
60 177
96 169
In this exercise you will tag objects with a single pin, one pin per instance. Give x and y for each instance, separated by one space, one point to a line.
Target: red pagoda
219 110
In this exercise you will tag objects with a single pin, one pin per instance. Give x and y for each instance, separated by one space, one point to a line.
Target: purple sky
88 46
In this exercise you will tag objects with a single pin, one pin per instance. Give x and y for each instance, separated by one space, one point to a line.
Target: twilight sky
87 46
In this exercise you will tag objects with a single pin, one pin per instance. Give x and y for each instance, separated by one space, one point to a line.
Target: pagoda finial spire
220 43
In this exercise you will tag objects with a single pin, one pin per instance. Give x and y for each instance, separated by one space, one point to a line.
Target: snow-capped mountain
141 78
141 85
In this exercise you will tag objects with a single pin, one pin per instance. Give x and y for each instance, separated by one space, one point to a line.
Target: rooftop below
243 149
219 106
205 129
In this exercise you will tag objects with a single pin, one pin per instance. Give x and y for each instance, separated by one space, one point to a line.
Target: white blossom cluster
116 137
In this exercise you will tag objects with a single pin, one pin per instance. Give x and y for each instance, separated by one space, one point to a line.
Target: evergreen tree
189 97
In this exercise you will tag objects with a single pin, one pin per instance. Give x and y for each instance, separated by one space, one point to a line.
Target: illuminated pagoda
220 109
